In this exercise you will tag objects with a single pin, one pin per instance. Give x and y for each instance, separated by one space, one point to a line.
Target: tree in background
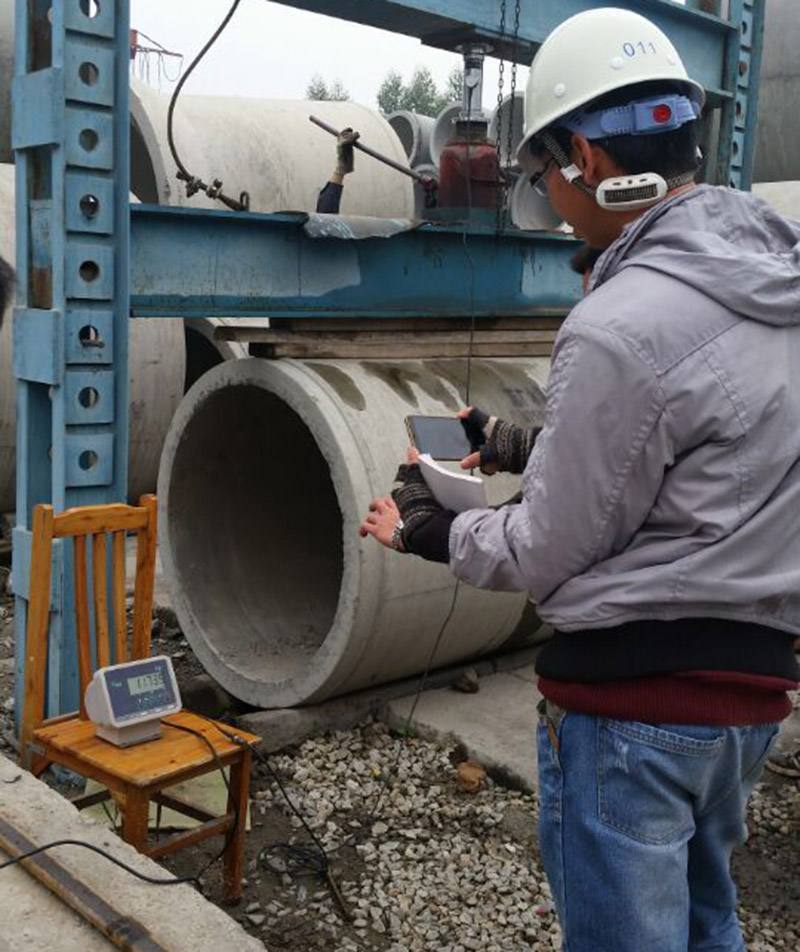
420 94
390 93
320 91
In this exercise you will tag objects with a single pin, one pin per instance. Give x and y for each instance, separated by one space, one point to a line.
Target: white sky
271 51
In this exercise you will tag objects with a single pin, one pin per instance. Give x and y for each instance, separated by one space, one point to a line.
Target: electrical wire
194 184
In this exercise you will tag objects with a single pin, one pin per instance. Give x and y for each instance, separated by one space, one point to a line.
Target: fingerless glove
506 444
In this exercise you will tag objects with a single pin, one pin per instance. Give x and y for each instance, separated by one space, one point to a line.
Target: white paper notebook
456 491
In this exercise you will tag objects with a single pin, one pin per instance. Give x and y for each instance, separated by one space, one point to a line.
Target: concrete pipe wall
271 150
777 129
414 132
499 126
6 73
443 130
156 366
784 197
531 211
266 474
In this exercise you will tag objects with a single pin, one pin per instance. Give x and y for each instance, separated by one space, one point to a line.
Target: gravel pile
440 869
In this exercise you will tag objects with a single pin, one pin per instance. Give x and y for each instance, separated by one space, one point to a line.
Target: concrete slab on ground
284 727
176 916
495 726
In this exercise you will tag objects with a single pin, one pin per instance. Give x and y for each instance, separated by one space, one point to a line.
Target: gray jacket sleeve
591 480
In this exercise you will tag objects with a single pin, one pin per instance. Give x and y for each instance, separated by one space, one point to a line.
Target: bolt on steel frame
78 283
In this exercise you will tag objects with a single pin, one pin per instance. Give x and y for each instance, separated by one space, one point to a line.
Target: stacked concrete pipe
414 132
156 368
267 471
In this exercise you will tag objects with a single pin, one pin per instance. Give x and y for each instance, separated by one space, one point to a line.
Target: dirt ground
295 909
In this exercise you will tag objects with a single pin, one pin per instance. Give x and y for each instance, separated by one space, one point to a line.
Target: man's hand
383 517
500 446
345 157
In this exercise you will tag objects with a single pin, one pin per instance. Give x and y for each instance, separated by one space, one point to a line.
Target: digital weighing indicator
127 701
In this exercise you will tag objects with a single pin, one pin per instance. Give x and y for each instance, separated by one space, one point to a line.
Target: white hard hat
595 53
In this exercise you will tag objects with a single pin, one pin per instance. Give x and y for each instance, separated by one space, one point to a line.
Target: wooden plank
189 837
37 628
420 349
545 320
87 520
268 335
99 588
82 619
145 579
122 930
87 800
118 597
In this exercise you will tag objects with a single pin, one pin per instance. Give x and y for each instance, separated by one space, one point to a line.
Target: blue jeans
638 822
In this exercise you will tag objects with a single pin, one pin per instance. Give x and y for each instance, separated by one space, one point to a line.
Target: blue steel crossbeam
71 127
267 265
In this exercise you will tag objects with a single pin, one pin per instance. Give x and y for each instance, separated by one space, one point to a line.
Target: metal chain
502 204
500 209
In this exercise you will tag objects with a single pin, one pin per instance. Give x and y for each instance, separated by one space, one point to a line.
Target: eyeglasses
537 180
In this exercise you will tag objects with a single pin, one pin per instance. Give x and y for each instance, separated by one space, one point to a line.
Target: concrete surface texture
176 916
278 596
495 726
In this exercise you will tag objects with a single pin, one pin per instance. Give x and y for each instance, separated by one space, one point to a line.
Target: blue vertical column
71 136
738 123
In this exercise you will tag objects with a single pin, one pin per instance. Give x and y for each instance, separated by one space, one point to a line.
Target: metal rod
124 931
375 155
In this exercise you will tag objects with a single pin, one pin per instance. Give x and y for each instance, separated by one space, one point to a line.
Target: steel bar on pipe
375 155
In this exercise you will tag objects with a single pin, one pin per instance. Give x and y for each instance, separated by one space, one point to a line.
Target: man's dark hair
666 153
6 286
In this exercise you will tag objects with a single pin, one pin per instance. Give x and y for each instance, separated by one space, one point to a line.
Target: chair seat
173 757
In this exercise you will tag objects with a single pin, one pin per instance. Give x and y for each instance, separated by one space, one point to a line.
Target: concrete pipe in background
156 366
777 130
784 197
267 472
6 74
414 132
268 148
499 126
443 130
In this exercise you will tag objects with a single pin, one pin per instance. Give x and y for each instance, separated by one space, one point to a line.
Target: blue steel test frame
88 262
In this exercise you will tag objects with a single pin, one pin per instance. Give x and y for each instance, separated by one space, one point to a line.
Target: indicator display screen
140 689
143 683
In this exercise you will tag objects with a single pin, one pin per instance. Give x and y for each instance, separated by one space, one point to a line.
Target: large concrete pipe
6 73
269 149
204 350
777 129
443 130
784 197
511 112
157 356
414 132
266 474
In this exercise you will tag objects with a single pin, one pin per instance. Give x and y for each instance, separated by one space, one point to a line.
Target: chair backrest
89 525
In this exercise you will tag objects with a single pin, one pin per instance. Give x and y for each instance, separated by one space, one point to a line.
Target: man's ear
587 158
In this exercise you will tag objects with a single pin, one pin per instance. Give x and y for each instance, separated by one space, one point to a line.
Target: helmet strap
574 176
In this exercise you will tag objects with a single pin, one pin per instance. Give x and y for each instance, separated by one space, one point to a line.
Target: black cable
197 184
112 859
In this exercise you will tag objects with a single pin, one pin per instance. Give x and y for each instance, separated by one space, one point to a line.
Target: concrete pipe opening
266 474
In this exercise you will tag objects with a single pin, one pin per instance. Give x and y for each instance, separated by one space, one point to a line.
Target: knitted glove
414 500
345 159
505 444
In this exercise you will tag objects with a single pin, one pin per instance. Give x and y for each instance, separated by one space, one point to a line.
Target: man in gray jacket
658 529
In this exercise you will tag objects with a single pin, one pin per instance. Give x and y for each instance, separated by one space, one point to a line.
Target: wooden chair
133 775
